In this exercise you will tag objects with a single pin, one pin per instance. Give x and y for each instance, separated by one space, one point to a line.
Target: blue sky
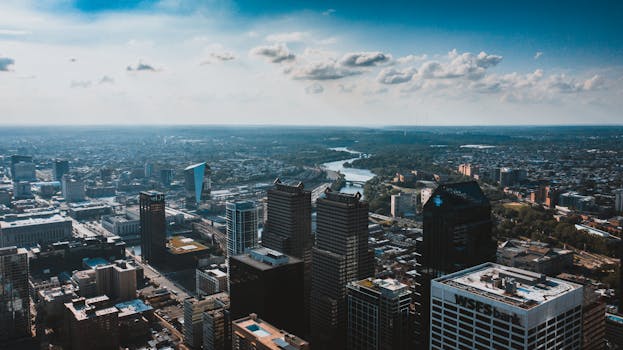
311 62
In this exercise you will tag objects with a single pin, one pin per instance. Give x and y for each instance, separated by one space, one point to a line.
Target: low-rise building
26 230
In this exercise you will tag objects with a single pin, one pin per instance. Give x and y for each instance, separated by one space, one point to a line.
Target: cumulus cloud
5 63
593 83
223 56
314 88
396 76
461 65
291 37
411 59
328 70
364 59
538 55
141 67
275 53
328 12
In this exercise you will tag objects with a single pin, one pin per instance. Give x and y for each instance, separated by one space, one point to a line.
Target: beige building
251 333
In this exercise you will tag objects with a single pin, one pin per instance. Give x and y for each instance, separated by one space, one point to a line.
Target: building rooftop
265 259
132 306
387 286
266 334
183 245
94 262
31 221
512 286
83 309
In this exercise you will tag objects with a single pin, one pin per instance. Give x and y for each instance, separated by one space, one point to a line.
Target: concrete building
15 159
117 280
242 233
91 324
574 200
270 283
60 168
22 190
26 230
252 333
86 282
378 315
153 226
217 328
193 316
73 189
425 195
24 171
402 204
614 331
166 176
51 304
121 225
492 306
288 229
14 297
534 256
341 255
210 281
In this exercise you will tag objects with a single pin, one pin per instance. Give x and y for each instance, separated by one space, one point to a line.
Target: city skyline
317 63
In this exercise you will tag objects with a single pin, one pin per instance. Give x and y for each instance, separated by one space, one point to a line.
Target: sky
310 62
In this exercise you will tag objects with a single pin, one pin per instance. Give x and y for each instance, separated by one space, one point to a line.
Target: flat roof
132 306
532 289
267 334
33 221
248 259
183 245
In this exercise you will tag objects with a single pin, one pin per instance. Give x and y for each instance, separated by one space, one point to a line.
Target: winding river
351 174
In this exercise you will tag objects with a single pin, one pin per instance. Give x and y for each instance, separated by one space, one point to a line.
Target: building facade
153 226
492 306
456 235
242 233
270 283
26 230
341 255
378 315
210 281
253 333
197 182
193 316
14 297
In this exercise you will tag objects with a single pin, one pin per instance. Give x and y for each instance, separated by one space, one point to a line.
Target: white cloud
396 76
327 70
411 59
141 67
275 53
364 59
291 37
328 12
314 88
538 55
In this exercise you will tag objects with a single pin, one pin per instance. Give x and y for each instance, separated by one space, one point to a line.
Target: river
351 174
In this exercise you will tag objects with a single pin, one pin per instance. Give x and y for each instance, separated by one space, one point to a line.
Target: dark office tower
14 298
61 167
269 283
153 226
288 229
18 159
341 255
457 235
378 315
166 176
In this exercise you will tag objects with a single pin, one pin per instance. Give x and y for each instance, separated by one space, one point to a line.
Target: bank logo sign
486 309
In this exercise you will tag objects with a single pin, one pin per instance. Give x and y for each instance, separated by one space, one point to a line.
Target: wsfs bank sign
486 309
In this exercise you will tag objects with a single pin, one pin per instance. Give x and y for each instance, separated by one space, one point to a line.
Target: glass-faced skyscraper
241 227
197 182
153 226
61 167
457 235
341 255
14 297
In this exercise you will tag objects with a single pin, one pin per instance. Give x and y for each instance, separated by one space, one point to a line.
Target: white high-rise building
242 233
491 306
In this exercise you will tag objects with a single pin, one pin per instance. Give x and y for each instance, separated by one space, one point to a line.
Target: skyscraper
14 298
153 226
618 200
457 235
268 282
72 188
288 229
341 255
241 227
61 167
378 315
197 182
17 159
